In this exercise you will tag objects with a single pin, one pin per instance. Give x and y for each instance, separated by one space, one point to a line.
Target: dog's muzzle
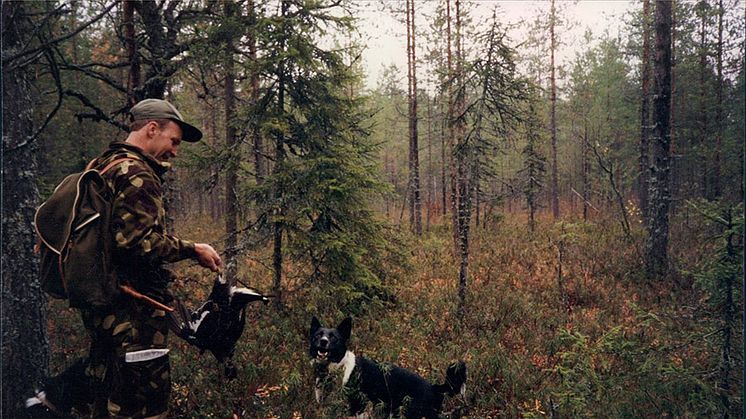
322 351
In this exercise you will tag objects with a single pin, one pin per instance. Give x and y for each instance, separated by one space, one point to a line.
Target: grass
600 340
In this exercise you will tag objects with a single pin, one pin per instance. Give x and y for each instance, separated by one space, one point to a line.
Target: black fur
395 390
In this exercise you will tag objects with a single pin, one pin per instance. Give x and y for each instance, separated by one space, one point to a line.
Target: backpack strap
114 163
106 168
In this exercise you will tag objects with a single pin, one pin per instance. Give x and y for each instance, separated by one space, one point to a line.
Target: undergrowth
559 322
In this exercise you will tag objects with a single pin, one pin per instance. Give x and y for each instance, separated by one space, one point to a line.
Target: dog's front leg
356 401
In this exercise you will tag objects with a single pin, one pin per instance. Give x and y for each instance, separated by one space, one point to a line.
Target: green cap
161 109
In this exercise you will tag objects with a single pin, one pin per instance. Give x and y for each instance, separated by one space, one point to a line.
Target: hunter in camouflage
127 372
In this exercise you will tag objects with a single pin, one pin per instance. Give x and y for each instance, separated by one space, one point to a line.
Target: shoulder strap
112 164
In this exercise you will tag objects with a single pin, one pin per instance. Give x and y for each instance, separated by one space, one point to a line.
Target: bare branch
98 114
59 39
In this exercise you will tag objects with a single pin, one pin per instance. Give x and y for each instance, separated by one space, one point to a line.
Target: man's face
165 141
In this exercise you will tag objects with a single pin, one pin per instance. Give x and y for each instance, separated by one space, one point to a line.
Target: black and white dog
396 390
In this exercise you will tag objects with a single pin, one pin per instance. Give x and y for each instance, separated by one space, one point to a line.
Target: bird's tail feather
178 320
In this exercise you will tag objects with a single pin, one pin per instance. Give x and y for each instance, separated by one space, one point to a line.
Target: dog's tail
455 380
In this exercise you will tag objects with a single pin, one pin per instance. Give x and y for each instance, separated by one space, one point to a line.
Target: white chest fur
348 363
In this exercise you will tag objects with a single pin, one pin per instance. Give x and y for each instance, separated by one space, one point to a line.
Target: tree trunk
642 184
133 81
451 131
415 203
587 174
656 247
430 178
25 346
676 168
277 255
728 313
231 144
703 146
553 117
463 163
443 182
716 183
260 166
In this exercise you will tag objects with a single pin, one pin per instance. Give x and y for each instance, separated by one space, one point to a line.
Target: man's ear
345 328
315 325
152 128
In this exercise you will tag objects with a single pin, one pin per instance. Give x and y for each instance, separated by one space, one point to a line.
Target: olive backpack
75 242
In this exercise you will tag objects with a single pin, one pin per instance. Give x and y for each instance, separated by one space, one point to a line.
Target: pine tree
656 246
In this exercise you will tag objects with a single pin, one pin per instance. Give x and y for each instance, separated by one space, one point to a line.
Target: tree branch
98 114
47 44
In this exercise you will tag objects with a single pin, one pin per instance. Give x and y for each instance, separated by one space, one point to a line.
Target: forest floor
560 320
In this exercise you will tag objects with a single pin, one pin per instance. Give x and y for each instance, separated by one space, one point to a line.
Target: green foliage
322 189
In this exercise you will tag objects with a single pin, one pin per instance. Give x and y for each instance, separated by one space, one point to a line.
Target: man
127 372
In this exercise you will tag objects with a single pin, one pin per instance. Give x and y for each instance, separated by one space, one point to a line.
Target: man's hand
208 257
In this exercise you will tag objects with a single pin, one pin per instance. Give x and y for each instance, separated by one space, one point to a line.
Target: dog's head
329 345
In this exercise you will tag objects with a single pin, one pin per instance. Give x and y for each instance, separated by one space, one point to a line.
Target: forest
565 215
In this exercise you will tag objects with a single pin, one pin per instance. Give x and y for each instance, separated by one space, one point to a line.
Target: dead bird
218 323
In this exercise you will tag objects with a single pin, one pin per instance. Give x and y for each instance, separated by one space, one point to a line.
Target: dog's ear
315 325
345 328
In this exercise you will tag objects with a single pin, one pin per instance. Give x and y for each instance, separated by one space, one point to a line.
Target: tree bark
25 346
430 178
277 255
415 203
443 181
716 182
451 131
260 165
587 174
703 128
728 313
656 247
644 113
231 144
463 162
133 80
553 114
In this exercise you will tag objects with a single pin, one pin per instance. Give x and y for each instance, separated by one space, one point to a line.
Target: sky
386 42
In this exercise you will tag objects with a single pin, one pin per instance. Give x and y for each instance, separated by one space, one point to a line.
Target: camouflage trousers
127 371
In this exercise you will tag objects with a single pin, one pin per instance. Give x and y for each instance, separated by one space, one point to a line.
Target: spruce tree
315 201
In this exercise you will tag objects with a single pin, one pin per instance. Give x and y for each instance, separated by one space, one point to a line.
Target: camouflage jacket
138 221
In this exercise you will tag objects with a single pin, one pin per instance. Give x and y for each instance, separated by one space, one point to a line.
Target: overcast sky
386 42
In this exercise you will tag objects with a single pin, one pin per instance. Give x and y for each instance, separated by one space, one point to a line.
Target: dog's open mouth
321 354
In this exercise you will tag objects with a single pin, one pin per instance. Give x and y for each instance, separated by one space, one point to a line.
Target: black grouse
218 323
